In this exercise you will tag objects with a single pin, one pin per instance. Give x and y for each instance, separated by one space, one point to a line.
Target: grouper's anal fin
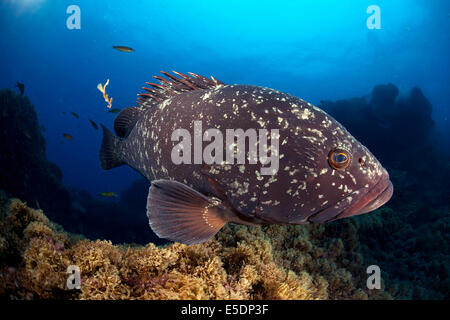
179 213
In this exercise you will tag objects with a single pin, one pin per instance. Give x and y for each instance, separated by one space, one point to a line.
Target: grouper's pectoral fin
179 213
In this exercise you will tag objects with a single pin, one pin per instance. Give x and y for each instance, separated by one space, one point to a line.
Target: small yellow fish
123 48
67 136
102 89
109 194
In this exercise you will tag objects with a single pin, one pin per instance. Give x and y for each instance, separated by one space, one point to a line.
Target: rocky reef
408 238
26 173
273 262
411 242
23 163
391 126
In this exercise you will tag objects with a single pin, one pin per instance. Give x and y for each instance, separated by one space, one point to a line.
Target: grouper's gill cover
319 172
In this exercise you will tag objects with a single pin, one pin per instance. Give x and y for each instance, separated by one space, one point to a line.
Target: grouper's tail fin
109 152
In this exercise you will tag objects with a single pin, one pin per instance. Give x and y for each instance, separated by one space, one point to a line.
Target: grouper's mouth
372 200
359 202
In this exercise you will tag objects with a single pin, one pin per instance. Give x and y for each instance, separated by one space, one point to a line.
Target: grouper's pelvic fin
109 151
179 213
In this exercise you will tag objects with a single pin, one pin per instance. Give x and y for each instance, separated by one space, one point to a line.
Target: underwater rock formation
411 244
384 122
400 132
273 262
25 171
411 241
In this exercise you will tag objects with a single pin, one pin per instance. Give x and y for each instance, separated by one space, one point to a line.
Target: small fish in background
123 48
64 113
67 136
27 134
38 205
21 87
75 115
102 89
114 110
93 124
109 194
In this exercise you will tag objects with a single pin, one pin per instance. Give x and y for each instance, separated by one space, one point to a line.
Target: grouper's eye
339 159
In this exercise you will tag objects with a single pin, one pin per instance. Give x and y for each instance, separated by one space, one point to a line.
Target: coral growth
410 242
273 262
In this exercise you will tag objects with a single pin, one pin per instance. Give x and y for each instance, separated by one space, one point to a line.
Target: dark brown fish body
302 186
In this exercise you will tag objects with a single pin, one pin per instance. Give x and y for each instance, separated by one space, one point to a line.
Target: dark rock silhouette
25 171
400 132
393 128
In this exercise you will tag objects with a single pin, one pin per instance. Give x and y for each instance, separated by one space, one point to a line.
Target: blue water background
312 49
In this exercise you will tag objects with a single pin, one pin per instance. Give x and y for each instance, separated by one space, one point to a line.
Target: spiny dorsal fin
172 86
125 121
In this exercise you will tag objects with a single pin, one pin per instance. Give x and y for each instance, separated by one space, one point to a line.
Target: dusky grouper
316 172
